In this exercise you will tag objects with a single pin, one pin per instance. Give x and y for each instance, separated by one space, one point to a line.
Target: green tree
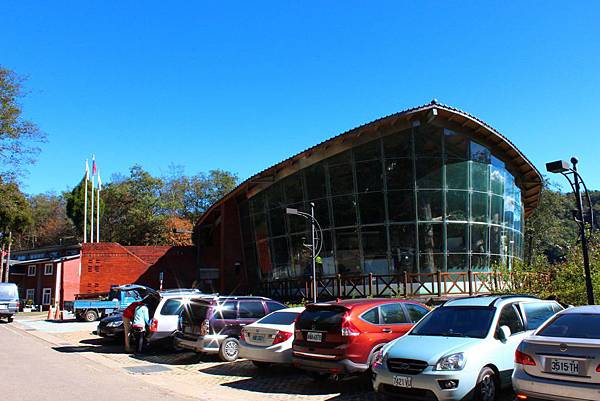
15 211
550 231
50 223
134 210
18 136
75 205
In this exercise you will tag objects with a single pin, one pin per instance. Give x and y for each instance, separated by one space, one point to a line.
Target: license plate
3 306
314 337
258 338
564 366
402 381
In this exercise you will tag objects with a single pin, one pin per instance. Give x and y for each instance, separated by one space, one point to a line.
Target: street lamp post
563 167
314 224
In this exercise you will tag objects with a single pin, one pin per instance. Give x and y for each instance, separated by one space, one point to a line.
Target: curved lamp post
563 167
314 247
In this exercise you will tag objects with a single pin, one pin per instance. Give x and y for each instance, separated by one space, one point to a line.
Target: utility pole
582 233
7 270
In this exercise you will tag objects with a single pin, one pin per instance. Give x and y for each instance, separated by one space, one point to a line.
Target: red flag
94 165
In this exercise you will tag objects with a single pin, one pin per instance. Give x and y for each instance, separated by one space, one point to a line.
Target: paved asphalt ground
32 370
64 361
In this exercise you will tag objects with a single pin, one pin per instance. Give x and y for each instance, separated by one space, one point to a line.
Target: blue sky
243 85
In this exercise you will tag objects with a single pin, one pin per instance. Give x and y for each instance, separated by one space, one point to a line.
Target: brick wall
106 264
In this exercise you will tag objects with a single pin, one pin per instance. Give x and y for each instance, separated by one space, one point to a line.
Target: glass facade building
421 200
430 189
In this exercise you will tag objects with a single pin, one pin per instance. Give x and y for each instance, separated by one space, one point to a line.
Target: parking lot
191 375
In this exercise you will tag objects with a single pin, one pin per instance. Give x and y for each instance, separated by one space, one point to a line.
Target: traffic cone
49 313
57 314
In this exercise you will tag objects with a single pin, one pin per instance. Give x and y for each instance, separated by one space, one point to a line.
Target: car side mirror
504 333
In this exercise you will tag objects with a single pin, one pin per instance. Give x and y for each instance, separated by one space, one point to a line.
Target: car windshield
8 292
283 318
456 321
573 325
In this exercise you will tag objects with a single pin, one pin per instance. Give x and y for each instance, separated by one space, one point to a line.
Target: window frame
31 268
261 303
401 306
519 315
46 293
27 297
46 265
407 313
362 316
524 315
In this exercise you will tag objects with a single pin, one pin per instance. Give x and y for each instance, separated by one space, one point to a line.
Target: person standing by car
141 319
127 318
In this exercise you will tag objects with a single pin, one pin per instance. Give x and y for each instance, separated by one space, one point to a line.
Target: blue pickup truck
119 298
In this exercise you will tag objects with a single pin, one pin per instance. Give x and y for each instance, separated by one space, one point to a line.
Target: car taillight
348 328
243 335
281 336
598 368
297 332
523 359
154 325
204 327
522 397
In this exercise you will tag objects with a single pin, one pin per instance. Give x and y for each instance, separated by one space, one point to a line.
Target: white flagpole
85 208
98 209
92 217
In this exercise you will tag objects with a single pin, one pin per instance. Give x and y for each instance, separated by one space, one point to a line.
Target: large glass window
316 184
372 208
401 206
420 200
374 244
369 177
429 173
347 251
402 246
399 174
430 205
344 211
341 179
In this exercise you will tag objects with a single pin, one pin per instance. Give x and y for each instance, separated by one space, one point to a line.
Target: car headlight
451 362
115 324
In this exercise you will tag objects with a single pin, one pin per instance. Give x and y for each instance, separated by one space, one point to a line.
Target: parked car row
466 348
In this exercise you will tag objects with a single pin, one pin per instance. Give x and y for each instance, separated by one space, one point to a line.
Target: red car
342 337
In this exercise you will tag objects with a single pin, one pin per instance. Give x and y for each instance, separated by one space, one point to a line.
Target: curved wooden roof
526 175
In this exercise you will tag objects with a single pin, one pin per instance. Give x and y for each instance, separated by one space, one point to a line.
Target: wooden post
339 285
371 284
470 278
439 283
405 284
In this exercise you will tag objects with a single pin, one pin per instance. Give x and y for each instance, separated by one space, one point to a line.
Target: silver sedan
561 360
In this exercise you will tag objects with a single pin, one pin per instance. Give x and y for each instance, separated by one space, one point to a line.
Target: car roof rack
509 296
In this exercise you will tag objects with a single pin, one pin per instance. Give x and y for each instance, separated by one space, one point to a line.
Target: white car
463 349
165 321
269 340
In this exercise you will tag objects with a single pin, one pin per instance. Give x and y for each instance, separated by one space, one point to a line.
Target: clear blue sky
243 85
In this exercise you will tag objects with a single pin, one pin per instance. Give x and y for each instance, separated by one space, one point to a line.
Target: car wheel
486 385
228 352
261 365
10 319
90 316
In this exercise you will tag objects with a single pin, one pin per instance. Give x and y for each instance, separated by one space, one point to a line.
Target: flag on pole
99 182
85 201
93 165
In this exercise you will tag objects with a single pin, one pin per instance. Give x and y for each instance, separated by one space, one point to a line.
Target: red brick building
57 274
47 276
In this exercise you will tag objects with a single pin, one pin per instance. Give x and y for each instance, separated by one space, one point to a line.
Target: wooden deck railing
404 284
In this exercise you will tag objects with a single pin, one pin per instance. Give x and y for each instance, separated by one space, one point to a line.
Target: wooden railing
404 284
